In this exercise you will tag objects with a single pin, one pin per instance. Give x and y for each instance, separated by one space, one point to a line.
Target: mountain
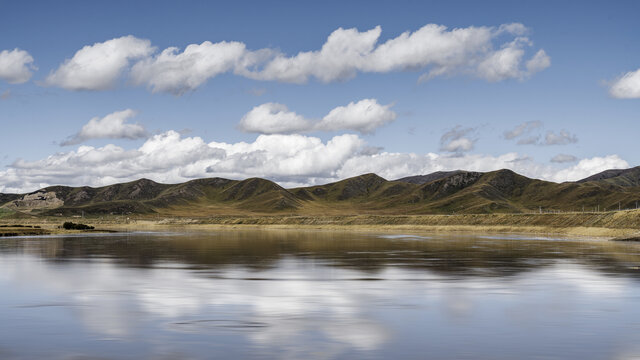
621 177
501 191
423 179
147 197
466 192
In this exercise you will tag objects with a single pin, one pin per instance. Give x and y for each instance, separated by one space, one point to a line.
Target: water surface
317 294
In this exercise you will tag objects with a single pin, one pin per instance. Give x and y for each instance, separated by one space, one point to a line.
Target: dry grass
603 224
22 230
611 224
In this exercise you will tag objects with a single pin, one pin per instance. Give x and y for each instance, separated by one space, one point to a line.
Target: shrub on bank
73 226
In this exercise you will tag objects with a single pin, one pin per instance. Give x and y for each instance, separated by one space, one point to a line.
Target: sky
302 93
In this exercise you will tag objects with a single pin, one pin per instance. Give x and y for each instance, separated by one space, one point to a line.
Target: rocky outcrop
35 201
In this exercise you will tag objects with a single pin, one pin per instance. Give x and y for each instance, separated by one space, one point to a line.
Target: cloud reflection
296 306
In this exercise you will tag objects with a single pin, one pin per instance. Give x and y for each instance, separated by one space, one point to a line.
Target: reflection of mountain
441 192
262 250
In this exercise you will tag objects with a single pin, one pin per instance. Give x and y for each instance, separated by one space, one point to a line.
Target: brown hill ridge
501 191
622 177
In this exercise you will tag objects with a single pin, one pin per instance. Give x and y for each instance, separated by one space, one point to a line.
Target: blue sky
578 105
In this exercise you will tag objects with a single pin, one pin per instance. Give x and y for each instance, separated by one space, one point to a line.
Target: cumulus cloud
563 158
291 160
364 116
340 58
272 118
475 51
503 64
397 165
99 66
271 156
457 140
587 167
112 126
16 66
177 73
285 156
627 86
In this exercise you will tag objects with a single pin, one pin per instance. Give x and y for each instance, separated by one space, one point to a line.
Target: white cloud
513 28
291 160
506 63
627 86
346 52
112 126
439 50
364 116
169 157
341 56
538 62
99 66
587 167
16 66
457 141
563 158
272 118
285 156
502 64
398 165
178 73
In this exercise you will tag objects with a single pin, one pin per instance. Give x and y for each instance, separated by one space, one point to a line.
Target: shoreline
570 232
618 225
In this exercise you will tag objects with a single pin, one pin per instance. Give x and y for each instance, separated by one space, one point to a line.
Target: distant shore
621 224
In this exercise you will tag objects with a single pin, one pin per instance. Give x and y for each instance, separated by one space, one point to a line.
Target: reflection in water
327 295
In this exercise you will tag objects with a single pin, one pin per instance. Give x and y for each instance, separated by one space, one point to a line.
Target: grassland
618 224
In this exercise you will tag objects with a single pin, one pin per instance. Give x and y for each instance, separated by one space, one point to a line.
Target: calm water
320 295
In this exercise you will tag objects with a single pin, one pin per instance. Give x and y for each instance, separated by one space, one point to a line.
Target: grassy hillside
621 177
457 192
423 179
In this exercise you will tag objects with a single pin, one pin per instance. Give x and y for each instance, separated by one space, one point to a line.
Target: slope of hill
621 177
144 196
501 191
423 179
4 198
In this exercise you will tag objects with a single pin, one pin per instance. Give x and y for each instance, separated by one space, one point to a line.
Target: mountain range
502 191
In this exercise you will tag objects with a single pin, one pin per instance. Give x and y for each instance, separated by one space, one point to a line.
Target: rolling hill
501 191
622 177
423 179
